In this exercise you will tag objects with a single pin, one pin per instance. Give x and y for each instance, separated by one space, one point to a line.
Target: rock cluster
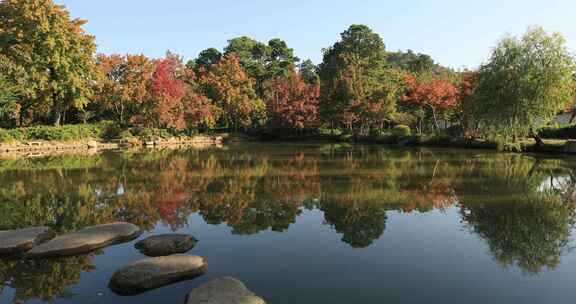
86 240
165 265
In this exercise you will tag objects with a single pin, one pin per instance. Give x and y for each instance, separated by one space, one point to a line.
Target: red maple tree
293 104
438 95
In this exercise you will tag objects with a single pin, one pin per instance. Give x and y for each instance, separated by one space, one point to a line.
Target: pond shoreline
43 147
47 147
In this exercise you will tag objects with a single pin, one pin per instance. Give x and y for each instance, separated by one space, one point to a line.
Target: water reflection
506 199
45 280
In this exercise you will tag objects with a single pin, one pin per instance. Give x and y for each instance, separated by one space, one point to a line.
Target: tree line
50 74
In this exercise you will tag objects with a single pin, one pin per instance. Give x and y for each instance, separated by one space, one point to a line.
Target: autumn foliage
292 103
229 87
437 96
50 74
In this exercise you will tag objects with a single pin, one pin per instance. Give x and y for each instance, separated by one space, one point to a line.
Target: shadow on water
521 206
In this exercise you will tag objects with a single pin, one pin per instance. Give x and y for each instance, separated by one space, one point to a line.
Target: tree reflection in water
500 197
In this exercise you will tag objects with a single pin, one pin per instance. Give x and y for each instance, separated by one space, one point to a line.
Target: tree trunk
537 138
57 108
435 119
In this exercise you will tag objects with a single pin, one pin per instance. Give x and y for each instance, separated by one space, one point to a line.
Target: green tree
262 62
53 49
206 58
308 72
526 82
355 79
412 62
9 92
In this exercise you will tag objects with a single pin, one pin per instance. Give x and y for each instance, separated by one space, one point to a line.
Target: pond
307 223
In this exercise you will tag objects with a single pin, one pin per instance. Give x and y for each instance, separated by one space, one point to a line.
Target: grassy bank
101 136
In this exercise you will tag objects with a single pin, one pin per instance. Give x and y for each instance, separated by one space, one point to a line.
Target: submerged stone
21 240
152 273
223 291
86 240
166 244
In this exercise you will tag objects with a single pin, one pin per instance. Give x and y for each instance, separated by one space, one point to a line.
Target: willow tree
53 49
526 82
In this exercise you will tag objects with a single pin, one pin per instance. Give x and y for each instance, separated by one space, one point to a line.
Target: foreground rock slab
19 241
223 291
152 273
86 240
166 244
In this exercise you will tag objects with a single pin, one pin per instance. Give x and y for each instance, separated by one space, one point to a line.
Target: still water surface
308 223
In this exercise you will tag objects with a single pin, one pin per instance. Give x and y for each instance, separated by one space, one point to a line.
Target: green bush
152 132
555 132
401 131
11 135
346 137
63 133
329 132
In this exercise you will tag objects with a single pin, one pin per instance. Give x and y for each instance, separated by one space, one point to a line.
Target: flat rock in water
223 291
86 240
166 244
152 273
22 240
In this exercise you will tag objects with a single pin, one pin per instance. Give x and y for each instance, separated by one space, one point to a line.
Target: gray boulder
223 291
166 244
86 240
152 273
19 241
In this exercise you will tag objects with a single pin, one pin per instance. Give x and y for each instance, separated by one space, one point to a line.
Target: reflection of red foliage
438 194
299 181
172 192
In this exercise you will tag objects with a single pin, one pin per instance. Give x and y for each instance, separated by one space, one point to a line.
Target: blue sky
457 33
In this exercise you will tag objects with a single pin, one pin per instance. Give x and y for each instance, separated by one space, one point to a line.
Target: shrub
152 132
407 119
455 131
401 131
346 137
63 133
566 132
329 132
11 135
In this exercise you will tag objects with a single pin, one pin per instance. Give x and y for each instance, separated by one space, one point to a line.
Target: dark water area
307 223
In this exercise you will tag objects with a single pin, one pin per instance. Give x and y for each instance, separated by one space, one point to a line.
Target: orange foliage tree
292 103
123 87
228 85
437 97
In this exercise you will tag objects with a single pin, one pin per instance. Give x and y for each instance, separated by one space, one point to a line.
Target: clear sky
457 33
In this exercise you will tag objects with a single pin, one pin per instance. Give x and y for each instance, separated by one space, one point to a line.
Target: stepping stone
86 240
19 241
223 291
166 244
151 273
